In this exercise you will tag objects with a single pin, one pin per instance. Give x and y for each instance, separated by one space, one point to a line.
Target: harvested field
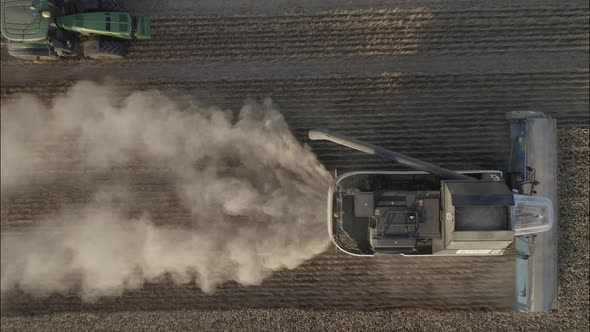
330 281
429 78
279 305
346 33
429 116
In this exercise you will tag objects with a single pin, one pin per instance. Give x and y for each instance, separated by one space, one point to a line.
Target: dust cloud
255 196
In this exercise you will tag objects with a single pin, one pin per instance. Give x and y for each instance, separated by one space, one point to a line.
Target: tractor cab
25 20
52 30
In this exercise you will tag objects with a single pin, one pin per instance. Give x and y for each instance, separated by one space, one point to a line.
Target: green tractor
56 29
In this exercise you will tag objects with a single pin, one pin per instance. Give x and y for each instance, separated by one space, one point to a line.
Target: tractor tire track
461 68
331 280
349 33
409 113
370 32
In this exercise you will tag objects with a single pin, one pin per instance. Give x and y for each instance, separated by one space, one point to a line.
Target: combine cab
435 211
52 30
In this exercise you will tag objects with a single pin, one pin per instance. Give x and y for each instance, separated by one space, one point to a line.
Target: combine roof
22 20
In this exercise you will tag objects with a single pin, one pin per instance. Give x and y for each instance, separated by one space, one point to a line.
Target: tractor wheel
32 54
86 6
111 5
106 49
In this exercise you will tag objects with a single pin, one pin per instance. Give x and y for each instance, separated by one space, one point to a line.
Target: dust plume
254 196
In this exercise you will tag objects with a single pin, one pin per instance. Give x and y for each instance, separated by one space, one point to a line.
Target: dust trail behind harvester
255 196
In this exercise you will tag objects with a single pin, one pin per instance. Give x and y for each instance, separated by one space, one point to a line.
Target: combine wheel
105 49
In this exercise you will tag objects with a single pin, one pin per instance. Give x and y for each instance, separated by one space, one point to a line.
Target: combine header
436 211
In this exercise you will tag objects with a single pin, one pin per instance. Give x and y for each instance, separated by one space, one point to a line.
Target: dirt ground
429 78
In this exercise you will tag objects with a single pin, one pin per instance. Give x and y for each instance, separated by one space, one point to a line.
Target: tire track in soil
368 32
331 280
363 33
397 106
455 120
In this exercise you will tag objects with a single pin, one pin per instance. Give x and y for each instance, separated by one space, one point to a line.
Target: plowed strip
363 32
330 281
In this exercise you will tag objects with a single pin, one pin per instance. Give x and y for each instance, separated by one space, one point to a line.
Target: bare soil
429 78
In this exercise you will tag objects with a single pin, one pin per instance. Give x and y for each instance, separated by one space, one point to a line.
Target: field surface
429 78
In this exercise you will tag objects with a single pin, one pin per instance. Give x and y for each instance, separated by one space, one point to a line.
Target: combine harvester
51 30
436 211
